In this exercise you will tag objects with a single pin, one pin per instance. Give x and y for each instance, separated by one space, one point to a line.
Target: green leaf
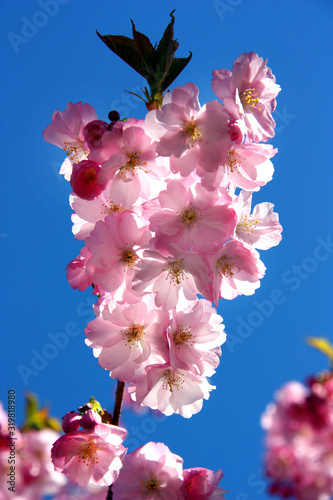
127 50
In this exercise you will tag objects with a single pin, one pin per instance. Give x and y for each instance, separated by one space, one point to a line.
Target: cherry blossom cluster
26 470
299 440
95 456
163 206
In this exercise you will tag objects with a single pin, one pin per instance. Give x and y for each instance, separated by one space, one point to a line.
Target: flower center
224 268
111 208
176 272
133 163
183 336
233 161
129 257
152 486
87 453
249 99
171 380
74 151
134 334
89 176
189 216
191 131
246 224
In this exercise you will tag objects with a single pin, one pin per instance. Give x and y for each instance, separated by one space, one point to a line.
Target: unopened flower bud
93 133
84 180
90 419
71 422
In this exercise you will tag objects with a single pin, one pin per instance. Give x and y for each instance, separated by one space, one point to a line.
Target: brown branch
116 417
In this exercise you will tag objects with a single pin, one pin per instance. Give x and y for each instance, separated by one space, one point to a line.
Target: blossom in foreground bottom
90 456
151 471
202 484
299 427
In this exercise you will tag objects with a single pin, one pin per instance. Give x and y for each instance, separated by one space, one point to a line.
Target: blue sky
51 58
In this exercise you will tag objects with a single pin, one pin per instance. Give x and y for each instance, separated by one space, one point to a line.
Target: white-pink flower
130 164
66 132
92 455
113 245
171 390
261 229
151 471
202 484
195 336
128 338
166 276
193 135
248 94
236 269
190 220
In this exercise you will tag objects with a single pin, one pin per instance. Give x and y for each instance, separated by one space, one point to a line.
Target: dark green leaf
126 49
177 66
143 44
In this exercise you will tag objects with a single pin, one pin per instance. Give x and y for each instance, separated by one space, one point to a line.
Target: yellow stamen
249 99
134 334
171 380
129 257
151 486
87 453
74 151
111 208
176 272
191 131
246 224
134 162
190 216
224 268
183 336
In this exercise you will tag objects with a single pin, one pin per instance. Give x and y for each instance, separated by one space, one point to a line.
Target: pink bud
90 419
84 180
71 421
93 133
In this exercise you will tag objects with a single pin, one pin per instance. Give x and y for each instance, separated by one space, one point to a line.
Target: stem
116 417
118 403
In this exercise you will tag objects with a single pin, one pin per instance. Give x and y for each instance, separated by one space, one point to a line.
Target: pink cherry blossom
192 221
88 212
66 132
171 390
151 471
193 135
113 245
261 229
166 276
202 484
129 337
130 164
248 166
92 455
248 94
195 336
236 269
